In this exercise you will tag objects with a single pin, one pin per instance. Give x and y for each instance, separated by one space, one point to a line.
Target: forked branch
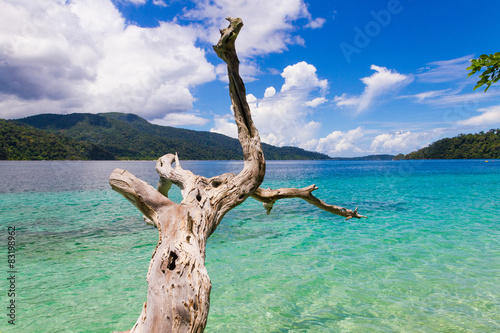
184 179
141 194
269 197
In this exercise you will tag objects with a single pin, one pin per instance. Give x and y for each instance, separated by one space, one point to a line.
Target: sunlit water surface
426 260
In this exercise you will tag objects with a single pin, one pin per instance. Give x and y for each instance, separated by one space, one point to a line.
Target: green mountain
464 146
127 136
22 142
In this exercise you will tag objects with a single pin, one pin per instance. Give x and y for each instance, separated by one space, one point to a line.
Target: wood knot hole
216 183
172 257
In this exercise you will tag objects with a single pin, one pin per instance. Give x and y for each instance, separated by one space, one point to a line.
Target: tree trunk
178 284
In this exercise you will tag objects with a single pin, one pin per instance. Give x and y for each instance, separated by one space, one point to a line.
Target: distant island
464 146
111 136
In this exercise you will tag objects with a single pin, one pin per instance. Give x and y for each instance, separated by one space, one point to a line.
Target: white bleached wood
178 284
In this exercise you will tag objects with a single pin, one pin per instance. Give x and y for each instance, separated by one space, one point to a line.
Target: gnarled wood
178 284
269 197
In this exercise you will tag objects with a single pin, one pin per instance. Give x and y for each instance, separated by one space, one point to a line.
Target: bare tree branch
138 192
269 197
252 175
184 179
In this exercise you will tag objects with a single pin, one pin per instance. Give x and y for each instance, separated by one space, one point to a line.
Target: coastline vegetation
464 146
22 142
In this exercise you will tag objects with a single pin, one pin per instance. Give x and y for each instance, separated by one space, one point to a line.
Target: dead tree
178 283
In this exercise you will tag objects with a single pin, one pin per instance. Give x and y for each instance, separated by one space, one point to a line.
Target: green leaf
491 73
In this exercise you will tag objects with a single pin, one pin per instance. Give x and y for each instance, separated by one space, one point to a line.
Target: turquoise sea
426 260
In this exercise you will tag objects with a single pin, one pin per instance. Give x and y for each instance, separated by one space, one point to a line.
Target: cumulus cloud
340 143
361 142
268 23
489 116
80 56
151 70
282 117
270 92
382 82
401 141
316 102
302 76
225 125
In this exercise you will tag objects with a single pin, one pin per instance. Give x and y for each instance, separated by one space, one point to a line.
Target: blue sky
345 78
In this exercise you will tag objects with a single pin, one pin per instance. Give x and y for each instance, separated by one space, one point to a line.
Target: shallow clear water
426 260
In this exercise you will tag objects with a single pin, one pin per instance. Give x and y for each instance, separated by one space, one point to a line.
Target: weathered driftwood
178 283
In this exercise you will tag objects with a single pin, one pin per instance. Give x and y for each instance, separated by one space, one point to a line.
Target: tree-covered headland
464 146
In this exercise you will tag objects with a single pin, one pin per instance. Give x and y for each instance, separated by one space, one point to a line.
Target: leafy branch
491 74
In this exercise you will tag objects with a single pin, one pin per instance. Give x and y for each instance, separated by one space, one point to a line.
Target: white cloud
445 70
343 100
399 142
316 23
225 125
282 117
180 119
248 71
340 143
80 56
361 142
383 82
251 99
160 3
135 2
316 102
449 98
489 116
302 75
270 92
428 95
268 23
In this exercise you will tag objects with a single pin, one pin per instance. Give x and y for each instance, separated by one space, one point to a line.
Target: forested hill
464 146
127 136
22 142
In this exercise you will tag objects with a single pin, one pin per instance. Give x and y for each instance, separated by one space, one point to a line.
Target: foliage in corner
492 72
